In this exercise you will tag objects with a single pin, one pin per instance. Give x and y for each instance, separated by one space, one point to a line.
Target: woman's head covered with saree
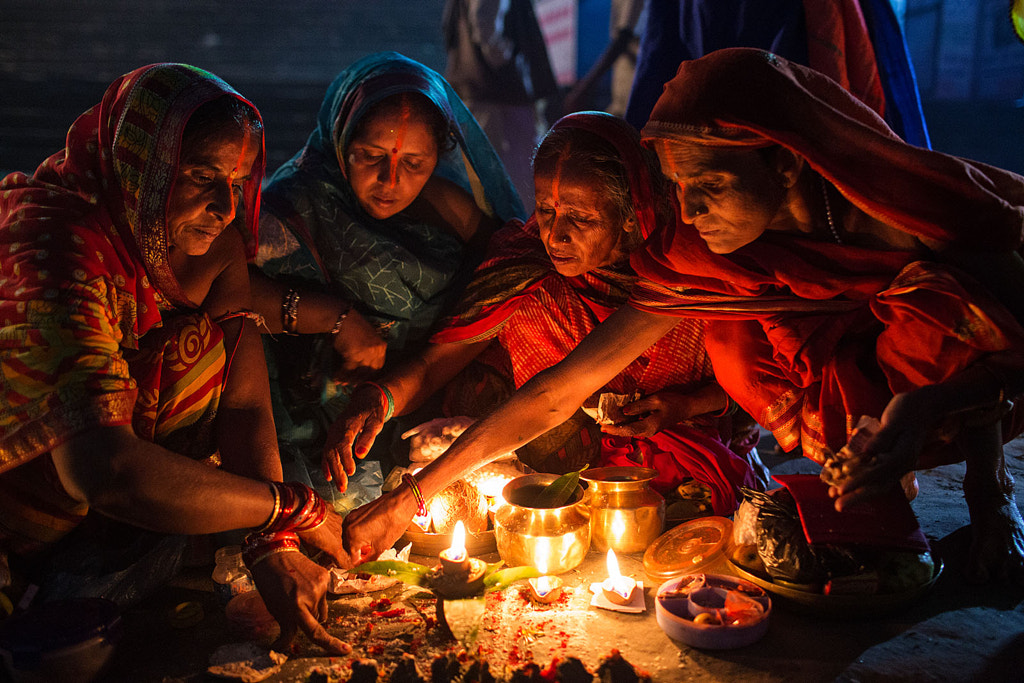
86 248
333 213
749 98
591 149
465 157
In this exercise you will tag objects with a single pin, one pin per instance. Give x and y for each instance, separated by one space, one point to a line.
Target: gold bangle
337 323
276 511
252 565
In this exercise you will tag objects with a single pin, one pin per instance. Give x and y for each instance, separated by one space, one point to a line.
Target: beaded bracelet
421 503
389 400
290 311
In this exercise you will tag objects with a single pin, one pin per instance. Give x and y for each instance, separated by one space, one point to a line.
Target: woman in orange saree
126 346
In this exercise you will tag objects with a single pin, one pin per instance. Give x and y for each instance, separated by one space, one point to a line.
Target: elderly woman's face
208 187
389 162
731 196
578 222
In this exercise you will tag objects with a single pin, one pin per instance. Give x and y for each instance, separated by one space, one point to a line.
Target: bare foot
997 548
908 482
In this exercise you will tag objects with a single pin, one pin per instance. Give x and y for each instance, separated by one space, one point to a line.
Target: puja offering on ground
472 499
713 611
617 588
873 559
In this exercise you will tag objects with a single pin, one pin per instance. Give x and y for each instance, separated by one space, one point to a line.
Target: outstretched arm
547 400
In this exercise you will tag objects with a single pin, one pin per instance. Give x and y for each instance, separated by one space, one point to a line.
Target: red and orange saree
94 328
807 336
538 316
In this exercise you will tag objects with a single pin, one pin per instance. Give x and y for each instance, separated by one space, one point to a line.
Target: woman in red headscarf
128 354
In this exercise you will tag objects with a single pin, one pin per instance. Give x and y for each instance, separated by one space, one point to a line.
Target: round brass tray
430 544
851 605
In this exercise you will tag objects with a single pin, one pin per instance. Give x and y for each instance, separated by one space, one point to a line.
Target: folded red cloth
887 521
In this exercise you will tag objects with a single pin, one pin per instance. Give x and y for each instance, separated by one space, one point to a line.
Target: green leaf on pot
557 493
407 572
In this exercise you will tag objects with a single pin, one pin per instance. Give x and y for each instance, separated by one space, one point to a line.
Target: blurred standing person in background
498 64
856 43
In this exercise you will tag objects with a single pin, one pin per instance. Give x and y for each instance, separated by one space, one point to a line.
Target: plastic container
679 615
700 545
70 641
230 577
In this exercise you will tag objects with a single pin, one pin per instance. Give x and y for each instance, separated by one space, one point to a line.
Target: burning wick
455 559
617 588
545 589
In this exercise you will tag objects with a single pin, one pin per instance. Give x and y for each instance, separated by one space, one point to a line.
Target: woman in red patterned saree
542 288
130 363
842 273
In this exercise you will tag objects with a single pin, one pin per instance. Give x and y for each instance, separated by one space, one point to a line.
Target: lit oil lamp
458 575
545 588
618 589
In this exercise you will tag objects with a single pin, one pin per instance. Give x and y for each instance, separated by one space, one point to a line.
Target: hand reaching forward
908 422
294 589
374 527
656 412
351 435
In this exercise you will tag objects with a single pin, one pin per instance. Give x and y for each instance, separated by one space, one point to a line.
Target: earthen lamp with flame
618 589
458 575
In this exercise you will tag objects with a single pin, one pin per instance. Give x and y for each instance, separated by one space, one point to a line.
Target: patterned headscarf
84 270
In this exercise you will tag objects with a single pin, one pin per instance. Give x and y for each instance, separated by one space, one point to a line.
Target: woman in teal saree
369 232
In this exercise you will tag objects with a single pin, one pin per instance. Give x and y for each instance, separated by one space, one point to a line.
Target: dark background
57 57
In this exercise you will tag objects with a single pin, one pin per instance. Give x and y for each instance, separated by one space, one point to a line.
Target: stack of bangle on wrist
414 486
290 312
389 400
297 508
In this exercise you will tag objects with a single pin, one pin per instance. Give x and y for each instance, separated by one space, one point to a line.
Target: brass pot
554 540
626 514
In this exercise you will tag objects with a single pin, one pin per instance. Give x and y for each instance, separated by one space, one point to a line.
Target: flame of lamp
455 559
626 514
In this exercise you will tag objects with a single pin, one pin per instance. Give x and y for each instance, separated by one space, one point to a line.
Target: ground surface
956 632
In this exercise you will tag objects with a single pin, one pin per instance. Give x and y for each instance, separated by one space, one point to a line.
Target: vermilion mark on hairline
238 164
406 115
556 180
